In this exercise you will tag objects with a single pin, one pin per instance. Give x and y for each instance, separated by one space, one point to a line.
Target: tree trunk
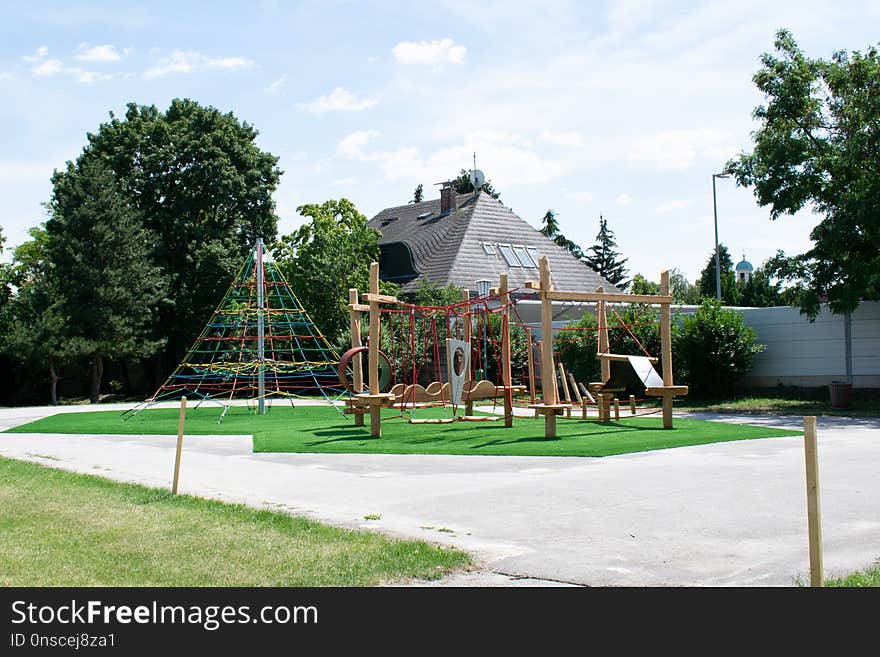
54 388
97 375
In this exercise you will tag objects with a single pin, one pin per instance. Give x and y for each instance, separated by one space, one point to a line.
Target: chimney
447 197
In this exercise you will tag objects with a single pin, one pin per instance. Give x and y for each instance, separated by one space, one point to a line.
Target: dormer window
488 248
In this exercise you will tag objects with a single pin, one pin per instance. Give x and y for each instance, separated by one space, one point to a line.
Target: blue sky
622 108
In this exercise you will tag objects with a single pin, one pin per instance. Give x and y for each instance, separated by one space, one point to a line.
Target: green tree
5 288
759 291
550 228
641 285
604 258
101 273
463 185
36 336
707 284
713 349
818 144
683 291
203 188
326 256
418 194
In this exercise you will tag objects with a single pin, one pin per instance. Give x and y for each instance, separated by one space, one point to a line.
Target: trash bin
840 394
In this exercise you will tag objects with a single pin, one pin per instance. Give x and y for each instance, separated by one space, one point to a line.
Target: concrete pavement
721 514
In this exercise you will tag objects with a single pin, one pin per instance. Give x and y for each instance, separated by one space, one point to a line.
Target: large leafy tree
707 284
604 257
101 276
550 228
203 188
326 256
818 145
760 291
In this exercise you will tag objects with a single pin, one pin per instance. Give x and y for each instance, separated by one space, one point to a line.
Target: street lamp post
717 254
483 286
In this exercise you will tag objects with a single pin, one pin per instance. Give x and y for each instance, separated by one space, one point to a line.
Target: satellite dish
477 179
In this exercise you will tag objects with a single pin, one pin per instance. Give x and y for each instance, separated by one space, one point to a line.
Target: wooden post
506 374
179 445
814 515
565 390
466 337
531 363
357 365
602 341
375 406
632 404
666 350
548 372
616 409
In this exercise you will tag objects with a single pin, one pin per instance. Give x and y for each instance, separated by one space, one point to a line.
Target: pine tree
418 194
604 258
551 230
730 293
102 276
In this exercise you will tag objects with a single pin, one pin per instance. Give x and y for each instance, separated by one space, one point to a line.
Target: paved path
722 514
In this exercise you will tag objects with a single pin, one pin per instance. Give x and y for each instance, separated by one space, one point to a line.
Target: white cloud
339 100
671 206
190 61
345 182
277 85
623 199
433 53
580 196
48 67
677 150
41 53
352 146
102 53
573 139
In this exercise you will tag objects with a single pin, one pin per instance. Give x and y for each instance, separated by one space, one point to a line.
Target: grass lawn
864 578
321 429
63 529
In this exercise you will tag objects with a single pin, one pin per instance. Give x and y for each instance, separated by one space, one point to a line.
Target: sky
622 108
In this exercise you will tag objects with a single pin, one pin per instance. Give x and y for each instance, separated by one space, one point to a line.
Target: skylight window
424 215
524 257
509 255
488 248
536 255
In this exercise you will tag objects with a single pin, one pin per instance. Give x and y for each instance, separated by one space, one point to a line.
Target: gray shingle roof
447 248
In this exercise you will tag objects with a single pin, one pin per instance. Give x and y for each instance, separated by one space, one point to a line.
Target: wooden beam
180 424
506 374
375 408
359 307
380 298
814 514
602 342
621 357
533 285
608 297
666 349
357 366
530 357
666 391
466 336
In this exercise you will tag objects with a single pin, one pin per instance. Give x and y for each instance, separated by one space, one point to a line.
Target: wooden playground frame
372 400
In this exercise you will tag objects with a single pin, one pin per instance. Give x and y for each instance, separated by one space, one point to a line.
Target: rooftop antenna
477 177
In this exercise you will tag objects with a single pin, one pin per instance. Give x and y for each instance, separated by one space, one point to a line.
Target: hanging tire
386 370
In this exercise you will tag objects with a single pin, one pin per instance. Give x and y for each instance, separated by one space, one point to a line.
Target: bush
713 349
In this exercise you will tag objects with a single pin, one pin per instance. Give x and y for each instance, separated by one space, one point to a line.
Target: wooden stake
616 409
357 365
814 515
548 372
506 375
531 362
375 406
666 349
179 445
602 342
466 337
632 404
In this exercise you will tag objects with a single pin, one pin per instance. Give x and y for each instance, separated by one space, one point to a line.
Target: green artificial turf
64 529
322 429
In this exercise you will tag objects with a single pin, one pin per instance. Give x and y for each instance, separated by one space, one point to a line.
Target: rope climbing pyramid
259 343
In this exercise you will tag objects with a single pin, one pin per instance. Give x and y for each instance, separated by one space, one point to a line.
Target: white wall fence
801 353
797 352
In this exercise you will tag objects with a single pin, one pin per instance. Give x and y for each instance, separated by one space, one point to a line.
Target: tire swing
386 370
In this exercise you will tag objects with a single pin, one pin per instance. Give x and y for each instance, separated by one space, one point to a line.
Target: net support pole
261 338
506 375
666 350
548 372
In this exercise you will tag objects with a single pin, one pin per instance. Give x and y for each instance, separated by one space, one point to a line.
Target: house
467 238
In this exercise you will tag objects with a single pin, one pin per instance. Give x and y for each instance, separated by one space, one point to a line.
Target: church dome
744 265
